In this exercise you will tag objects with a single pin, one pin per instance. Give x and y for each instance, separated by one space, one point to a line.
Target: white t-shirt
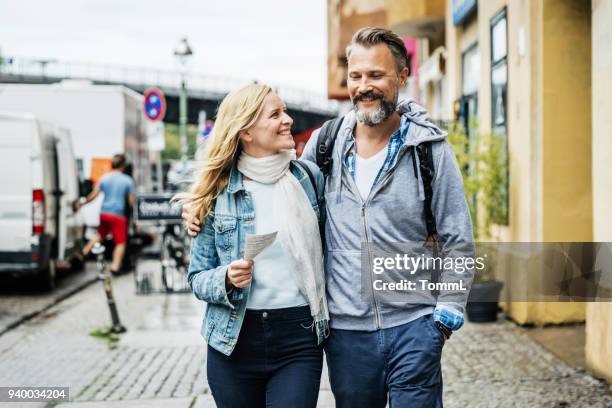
366 171
273 285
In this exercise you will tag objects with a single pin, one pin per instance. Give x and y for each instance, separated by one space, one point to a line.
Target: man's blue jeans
402 362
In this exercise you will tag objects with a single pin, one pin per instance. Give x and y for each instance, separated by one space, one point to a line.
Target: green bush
173 142
483 164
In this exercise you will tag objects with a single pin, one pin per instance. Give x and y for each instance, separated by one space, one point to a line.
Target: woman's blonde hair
238 111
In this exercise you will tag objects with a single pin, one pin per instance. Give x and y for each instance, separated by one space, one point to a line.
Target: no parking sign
154 104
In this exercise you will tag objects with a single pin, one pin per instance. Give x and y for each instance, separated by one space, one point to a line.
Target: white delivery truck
38 175
102 120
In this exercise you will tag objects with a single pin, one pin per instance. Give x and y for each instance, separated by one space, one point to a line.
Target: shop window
468 112
470 83
499 72
499 103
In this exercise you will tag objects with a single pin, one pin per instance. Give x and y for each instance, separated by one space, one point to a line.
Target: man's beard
378 116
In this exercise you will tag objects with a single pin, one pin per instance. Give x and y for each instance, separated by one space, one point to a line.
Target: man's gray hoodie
391 214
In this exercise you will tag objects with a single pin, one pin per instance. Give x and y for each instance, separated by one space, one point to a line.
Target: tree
483 167
173 142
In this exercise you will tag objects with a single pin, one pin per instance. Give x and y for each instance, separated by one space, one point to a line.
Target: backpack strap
426 167
325 144
306 170
320 200
325 149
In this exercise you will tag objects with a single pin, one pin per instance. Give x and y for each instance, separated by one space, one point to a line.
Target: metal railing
168 80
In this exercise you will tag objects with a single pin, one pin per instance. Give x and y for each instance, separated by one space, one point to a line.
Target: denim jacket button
264 314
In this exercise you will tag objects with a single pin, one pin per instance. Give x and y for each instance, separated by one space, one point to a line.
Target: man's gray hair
370 36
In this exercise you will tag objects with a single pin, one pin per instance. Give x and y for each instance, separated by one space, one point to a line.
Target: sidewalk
160 361
19 303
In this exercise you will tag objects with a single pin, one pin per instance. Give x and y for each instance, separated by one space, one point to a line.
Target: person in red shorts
118 190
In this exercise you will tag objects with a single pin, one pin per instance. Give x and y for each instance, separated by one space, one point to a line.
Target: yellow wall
599 337
566 160
566 134
599 315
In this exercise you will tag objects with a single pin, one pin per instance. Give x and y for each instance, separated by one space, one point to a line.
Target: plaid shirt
395 142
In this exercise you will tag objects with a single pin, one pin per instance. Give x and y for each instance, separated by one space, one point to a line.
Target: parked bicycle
175 258
157 210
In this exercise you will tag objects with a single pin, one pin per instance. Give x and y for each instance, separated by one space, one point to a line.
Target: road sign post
154 108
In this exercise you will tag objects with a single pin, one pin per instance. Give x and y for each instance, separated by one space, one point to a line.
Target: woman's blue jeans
276 362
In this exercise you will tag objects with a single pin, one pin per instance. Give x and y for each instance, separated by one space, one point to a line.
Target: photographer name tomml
424 284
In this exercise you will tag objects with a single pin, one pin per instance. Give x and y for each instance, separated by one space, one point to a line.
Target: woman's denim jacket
220 242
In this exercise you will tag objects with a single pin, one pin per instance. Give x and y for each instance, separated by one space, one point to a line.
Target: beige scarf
299 229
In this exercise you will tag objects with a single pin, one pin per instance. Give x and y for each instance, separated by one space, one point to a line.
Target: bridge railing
164 78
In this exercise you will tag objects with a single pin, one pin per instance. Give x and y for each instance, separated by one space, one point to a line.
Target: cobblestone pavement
19 301
160 360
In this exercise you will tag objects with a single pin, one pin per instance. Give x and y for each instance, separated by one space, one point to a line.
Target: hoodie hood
425 131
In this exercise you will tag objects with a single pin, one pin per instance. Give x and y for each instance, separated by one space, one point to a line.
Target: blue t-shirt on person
116 186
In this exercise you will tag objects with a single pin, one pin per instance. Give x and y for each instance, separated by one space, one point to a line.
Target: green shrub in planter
483 165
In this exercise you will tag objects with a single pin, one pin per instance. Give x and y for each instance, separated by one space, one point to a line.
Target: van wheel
45 279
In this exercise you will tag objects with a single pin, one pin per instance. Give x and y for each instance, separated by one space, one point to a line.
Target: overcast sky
274 41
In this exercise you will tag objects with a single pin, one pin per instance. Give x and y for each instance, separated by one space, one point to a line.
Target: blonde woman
266 317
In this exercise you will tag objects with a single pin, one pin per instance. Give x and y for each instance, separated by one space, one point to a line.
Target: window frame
501 130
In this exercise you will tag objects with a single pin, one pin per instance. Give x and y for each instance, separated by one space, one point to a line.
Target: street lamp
43 65
183 52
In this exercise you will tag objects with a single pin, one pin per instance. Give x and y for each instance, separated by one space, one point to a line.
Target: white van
102 120
38 175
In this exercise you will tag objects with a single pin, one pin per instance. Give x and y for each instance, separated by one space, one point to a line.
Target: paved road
159 362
